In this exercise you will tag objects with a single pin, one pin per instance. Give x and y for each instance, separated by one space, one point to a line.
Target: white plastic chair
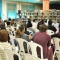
21 48
13 44
3 55
31 32
33 47
30 57
11 53
49 32
34 53
25 56
21 44
12 27
57 45
36 30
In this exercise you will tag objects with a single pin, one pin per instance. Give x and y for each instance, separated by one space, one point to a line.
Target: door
11 10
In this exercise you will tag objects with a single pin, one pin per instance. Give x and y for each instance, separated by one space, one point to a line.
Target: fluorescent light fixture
54 0
38 0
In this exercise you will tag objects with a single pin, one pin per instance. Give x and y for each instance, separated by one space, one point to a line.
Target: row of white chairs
8 55
29 50
33 46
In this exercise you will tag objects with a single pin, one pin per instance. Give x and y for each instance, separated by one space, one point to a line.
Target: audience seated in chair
2 26
4 40
26 32
29 26
56 34
20 33
39 23
50 26
44 39
34 24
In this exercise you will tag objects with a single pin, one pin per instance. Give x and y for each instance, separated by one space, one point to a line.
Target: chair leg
55 58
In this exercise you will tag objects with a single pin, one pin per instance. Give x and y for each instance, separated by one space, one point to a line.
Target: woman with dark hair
29 27
26 32
39 23
50 26
34 24
29 24
2 26
44 40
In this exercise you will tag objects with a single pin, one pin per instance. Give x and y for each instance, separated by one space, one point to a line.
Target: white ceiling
35 0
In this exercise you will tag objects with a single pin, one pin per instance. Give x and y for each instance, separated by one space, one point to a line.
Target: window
28 7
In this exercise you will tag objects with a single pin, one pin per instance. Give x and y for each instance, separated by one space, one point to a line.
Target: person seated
7 23
39 23
57 34
2 27
12 22
9 19
50 26
29 27
26 32
20 33
44 40
34 23
4 40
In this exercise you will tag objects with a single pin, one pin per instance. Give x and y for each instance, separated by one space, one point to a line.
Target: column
45 5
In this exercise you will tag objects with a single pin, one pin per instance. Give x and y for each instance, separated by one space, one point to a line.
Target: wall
0 8
18 4
4 8
37 6
45 5
55 6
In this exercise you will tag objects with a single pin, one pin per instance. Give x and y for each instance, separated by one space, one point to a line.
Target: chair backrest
36 49
50 32
9 54
17 56
6 54
12 27
57 43
30 57
23 45
3 55
31 32
13 55
12 40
